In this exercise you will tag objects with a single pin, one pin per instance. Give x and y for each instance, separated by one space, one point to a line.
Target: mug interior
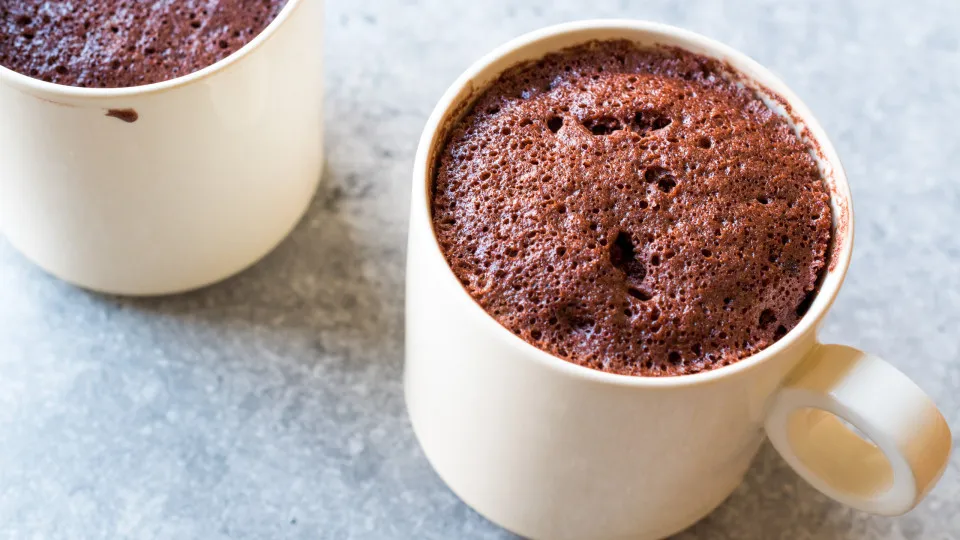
775 94
52 90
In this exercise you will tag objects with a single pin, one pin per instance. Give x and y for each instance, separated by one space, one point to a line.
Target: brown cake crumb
122 43
632 210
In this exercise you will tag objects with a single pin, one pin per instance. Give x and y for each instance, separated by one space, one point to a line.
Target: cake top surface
632 210
123 43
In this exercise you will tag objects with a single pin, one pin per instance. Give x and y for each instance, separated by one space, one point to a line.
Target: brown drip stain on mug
127 115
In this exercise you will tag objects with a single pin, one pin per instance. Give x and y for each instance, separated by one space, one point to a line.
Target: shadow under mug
171 186
552 450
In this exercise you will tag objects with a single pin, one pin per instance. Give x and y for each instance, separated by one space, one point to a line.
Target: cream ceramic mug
552 450
170 186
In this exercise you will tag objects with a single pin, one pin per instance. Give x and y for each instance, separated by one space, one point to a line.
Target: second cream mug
170 186
551 450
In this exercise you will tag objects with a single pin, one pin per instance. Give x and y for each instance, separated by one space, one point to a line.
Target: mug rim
34 85
839 260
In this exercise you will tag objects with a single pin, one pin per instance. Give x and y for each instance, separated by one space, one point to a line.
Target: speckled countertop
270 406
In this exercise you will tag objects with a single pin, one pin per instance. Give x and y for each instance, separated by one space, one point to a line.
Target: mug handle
898 446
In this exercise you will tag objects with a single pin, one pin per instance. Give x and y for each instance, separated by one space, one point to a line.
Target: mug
166 187
552 450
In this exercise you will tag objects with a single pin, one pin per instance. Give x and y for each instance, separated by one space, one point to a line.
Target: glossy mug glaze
552 450
170 186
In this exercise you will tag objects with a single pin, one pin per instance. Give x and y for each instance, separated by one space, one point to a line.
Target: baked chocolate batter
632 210
119 43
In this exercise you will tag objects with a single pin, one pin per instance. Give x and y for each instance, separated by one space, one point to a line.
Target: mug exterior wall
547 453
210 177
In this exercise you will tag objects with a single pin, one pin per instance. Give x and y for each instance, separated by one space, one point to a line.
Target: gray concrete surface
270 406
